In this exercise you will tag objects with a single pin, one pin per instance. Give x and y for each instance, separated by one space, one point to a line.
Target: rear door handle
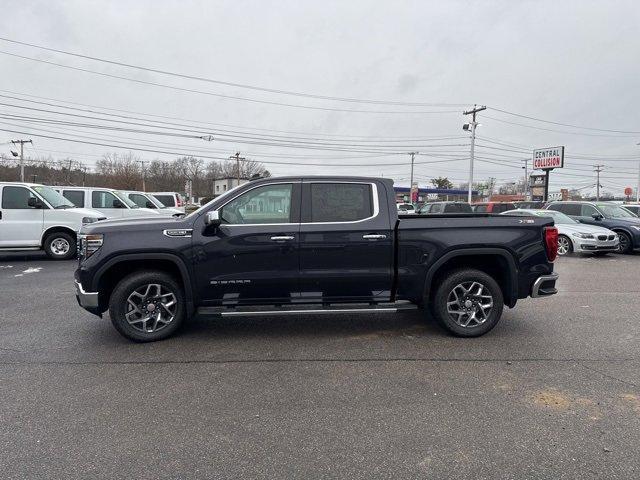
373 236
282 238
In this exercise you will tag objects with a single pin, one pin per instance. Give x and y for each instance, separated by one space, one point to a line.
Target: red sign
628 191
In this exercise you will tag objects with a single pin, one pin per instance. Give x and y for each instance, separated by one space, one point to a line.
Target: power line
232 84
218 95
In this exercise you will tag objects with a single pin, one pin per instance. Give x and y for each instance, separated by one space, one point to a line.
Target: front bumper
544 286
586 245
87 300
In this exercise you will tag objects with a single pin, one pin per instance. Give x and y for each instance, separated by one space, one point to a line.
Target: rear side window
102 199
567 208
340 202
457 208
74 196
166 200
14 198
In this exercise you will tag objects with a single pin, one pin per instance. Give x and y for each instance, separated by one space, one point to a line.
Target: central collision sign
548 158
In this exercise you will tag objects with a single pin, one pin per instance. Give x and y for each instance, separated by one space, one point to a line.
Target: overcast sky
573 62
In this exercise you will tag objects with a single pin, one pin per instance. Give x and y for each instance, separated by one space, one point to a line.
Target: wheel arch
503 269
55 229
108 275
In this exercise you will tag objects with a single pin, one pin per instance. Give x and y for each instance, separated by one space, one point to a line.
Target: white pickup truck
111 203
36 217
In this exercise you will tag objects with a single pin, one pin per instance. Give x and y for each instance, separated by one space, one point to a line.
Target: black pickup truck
309 245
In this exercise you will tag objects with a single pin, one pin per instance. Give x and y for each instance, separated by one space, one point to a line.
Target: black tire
454 280
568 245
60 246
137 330
625 243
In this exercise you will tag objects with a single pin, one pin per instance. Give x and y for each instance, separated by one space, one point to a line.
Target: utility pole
598 169
526 177
69 173
413 154
638 186
472 127
141 162
84 175
237 158
21 142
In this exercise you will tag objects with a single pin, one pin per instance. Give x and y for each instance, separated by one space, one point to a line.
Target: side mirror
118 204
150 204
34 202
212 218
597 216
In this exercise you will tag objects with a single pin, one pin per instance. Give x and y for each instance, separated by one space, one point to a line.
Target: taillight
178 201
551 242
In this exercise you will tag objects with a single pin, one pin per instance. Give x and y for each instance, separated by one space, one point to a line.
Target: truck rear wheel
468 303
147 306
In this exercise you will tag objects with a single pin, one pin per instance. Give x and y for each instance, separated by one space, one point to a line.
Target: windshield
614 211
558 217
122 197
54 198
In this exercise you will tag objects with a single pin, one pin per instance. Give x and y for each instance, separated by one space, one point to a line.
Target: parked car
146 200
111 203
170 199
633 208
282 246
530 205
492 207
35 217
605 214
574 236
405 209
445 207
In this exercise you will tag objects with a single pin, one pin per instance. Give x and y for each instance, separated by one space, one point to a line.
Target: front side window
140 200
341 202
261 205
16 198
101 199
588 210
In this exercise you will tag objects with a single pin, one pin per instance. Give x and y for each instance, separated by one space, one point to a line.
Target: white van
146 200
170 199
35 217
112 203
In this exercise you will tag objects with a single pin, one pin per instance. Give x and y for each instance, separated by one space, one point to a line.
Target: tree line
126 172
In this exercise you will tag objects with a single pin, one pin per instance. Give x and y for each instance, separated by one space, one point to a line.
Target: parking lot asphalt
552 392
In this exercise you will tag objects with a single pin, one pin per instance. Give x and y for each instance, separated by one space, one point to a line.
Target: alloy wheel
151 307
564 246
624 243
469 304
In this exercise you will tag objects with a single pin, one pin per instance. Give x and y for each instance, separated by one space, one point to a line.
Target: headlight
583 235
89 219
90 243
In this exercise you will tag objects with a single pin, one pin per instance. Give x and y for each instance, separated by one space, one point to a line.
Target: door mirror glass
212 218
597 216
33 202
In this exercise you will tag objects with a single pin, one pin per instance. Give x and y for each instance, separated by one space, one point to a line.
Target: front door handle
374 236
282 238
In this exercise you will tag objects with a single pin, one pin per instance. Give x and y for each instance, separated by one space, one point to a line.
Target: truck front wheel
468 303
147 306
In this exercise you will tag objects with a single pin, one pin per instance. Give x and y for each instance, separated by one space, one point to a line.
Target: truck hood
82 212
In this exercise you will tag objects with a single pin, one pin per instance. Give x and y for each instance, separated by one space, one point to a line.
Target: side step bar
309 310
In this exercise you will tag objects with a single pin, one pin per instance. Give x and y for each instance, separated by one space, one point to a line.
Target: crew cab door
21 217
346 243
252 256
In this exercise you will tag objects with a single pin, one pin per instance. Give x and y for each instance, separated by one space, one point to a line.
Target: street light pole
638 186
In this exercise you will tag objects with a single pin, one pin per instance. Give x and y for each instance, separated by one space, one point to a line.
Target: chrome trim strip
86 299
314 312
374 192
535 290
